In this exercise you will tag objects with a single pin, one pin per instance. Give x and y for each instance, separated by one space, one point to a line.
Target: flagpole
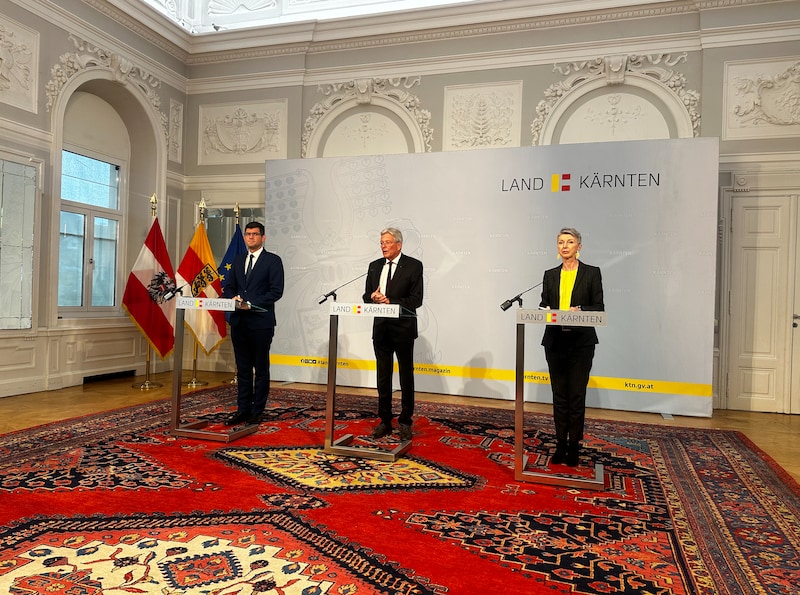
194 382
148 384
235 379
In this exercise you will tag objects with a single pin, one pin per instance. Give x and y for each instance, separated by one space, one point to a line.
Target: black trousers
251 349
385 350
569 374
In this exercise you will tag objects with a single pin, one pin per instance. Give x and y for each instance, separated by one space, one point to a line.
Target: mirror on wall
17 203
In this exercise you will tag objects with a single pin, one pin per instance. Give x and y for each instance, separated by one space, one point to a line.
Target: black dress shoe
560 455
254 420
573 454
236 419
381 430
405 432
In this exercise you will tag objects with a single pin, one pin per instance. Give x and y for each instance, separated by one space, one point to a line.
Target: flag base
147 385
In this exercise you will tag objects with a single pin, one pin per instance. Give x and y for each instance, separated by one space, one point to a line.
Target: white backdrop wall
484 223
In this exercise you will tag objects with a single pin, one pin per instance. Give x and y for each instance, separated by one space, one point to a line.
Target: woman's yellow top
565 288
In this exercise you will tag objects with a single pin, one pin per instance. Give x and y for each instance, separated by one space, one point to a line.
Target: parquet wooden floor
778 435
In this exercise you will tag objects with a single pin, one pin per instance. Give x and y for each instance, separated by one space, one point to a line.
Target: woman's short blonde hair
570 231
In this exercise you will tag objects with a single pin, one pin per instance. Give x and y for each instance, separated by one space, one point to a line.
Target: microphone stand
517 298
171 294
332 292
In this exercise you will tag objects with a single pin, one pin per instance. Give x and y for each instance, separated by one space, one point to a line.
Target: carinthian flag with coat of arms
198 272
150 286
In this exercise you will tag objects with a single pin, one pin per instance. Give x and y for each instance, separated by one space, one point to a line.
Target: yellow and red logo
560 182
552 317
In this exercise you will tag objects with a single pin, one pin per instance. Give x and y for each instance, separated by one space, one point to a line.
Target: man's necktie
249 267
388 279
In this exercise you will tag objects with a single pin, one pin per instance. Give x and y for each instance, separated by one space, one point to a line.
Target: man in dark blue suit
394 279
255 281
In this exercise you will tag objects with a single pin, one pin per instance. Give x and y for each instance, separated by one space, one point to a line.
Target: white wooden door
761 301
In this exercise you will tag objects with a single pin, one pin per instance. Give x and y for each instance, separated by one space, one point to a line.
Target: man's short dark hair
254 224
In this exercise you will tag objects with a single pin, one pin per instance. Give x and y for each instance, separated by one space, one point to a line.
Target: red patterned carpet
114 504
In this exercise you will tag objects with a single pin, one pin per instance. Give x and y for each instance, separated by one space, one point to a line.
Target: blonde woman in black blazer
570 350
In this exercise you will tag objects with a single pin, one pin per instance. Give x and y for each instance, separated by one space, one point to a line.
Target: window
220 223
89 231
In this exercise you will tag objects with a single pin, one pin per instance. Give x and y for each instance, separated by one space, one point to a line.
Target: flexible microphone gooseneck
332 292
517 298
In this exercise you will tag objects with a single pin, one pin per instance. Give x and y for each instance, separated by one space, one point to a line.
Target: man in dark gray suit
256 283
395 278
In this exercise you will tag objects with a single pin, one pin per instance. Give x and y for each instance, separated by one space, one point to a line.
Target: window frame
90 212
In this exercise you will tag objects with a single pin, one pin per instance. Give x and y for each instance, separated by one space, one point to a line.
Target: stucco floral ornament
362 92
15 59
770 100
613 69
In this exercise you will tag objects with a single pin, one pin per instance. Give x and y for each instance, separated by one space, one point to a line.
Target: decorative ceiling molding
446 23
318 37
744 34
492 60
495 27
711 4
120 68
159 37
513 58
343 39
217 57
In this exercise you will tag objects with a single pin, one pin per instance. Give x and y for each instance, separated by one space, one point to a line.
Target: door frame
765 183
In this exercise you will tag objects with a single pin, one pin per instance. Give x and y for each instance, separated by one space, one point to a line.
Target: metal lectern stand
574 318
342 445
197 429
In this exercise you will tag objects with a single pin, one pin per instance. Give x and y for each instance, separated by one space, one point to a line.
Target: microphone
332 292
173 292
517 298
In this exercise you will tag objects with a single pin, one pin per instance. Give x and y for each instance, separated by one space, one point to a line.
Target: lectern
545 317
197 429
342 445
